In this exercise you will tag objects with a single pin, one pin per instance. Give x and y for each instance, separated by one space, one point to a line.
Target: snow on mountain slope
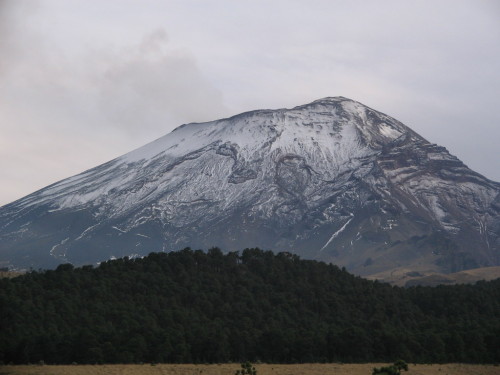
332 179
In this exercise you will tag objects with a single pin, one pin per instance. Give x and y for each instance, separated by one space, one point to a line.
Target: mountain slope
331 180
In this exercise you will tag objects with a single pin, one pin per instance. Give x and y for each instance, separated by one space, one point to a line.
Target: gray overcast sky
84 81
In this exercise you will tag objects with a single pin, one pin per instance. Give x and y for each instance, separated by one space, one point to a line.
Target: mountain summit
331 180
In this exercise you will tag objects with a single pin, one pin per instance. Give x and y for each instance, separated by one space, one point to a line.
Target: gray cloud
13 39
149 85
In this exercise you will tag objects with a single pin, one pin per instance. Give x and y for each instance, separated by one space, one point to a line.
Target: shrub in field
246 369
394 369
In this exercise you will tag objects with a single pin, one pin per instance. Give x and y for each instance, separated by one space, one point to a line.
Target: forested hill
195 306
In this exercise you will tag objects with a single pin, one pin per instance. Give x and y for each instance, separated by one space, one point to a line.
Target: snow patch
63 256
388 131
85 232
336 233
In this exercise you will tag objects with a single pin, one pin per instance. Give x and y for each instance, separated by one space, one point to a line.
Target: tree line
197 307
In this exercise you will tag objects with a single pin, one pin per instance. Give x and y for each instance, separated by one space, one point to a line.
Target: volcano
332 180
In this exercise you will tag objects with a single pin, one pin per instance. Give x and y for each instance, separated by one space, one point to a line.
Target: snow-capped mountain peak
332 179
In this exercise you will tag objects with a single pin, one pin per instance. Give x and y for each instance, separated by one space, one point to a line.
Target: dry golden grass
10 274
401 276
229 369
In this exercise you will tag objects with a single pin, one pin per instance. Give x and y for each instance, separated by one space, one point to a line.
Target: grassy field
10 274
402 276
229 369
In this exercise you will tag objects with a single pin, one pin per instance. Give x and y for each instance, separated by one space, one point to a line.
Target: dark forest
209 307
